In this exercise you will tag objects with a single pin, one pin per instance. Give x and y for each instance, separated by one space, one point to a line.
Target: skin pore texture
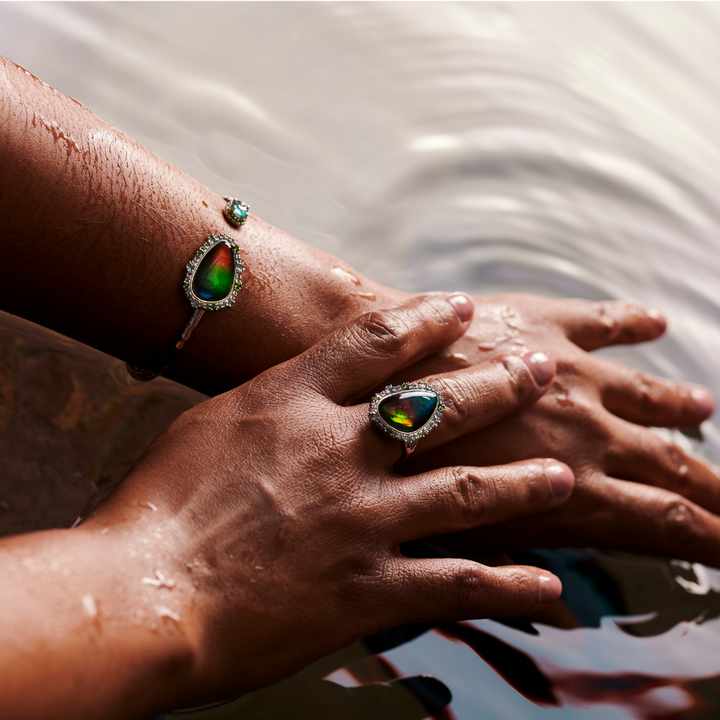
108 247
289 547
107 228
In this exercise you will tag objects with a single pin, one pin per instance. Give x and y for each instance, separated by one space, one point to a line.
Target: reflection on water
567 150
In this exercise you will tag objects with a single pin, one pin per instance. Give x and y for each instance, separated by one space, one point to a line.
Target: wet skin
634 491
111 225
262 531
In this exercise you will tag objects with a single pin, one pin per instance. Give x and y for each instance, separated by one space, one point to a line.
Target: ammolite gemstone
213 278
409 410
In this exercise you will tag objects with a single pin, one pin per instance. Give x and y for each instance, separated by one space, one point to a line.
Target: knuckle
682 523
517 384
659 400
537 489
470 495
674 465
467 588
646 392
457 404
383 331
605 321
632 326
619 321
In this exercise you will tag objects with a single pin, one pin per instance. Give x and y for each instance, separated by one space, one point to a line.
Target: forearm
81 634
96 232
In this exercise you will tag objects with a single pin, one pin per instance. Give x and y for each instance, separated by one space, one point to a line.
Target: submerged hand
279 517
634 491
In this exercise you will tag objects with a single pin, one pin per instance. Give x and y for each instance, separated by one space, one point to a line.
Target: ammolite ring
407 412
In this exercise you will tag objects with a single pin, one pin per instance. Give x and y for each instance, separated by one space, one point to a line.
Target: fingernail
704 401
463 305
562 478
542 367
550 588
659 319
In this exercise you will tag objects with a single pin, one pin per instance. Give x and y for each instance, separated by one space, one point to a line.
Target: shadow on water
474 146
641 599
635 636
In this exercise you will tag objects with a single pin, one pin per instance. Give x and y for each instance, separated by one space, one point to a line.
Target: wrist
171 586
87 629
118 226
138 608
293 295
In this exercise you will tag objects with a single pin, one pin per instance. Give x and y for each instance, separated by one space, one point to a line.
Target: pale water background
565 150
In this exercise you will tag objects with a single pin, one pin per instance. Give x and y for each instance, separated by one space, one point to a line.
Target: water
564 150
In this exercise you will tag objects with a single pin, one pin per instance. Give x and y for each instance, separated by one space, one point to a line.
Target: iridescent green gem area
214 275
407 412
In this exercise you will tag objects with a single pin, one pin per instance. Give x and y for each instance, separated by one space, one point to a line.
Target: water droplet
561 395
163 611
89 606
158 581
345 275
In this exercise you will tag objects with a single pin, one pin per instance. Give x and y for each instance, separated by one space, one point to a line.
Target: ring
407 412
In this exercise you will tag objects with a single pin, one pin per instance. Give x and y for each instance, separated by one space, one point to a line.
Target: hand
634 491
279 516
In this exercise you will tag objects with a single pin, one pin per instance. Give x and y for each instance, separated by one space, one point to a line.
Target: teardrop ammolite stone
408 411
213 278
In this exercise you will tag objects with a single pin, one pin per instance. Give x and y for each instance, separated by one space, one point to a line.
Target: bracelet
213 278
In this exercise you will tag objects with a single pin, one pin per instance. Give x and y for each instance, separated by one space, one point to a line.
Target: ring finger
474 397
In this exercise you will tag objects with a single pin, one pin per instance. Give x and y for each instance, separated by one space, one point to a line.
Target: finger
607 514
483 394
458 498
363 353
593 325
638 454
655 522
648 400
450 589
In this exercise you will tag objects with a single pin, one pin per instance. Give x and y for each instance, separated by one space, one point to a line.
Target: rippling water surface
565 150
